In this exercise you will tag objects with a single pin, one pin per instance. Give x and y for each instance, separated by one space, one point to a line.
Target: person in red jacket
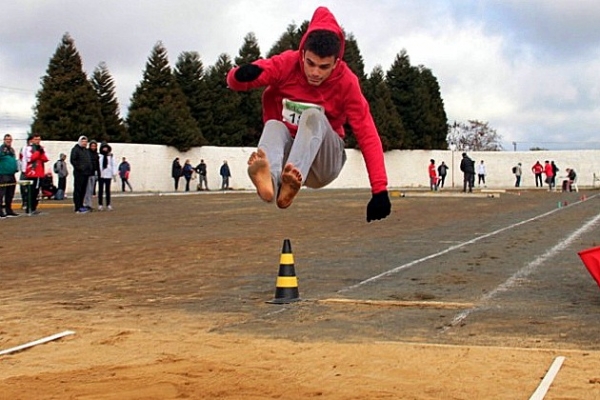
34 158
433 179
549 171
537 170
310 94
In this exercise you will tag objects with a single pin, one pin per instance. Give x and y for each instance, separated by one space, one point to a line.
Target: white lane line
542 389
525 271
36 342
448 250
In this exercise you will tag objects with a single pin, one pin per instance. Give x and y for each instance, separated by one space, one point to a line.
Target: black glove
248 73
379 207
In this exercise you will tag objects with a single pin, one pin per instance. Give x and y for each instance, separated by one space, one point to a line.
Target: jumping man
310 94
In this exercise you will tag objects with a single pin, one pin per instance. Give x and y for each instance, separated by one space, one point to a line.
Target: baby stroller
48 190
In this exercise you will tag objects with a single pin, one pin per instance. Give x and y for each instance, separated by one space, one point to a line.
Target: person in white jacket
481 174
108 172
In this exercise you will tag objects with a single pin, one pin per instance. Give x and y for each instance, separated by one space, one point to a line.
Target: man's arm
363 126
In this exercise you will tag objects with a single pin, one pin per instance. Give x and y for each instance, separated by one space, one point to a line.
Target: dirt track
450 297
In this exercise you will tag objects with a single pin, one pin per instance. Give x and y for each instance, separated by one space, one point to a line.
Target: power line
14 89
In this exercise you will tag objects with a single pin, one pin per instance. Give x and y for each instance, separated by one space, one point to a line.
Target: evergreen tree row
190 105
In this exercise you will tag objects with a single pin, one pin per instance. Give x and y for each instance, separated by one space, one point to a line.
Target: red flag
591 260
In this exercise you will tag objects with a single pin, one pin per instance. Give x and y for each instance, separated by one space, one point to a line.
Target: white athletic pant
89 191
317 150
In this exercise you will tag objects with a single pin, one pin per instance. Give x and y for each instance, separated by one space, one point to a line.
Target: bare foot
291 180
260 175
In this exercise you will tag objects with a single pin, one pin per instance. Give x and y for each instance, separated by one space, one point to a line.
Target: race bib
292 110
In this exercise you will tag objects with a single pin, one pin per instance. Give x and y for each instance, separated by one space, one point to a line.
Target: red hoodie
340 96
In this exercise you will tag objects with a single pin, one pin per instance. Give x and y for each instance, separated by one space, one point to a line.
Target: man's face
83 142
8 141
318 69
36 140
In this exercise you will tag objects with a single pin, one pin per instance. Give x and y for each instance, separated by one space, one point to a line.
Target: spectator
201 170
8 183
188 172
23 189
176 172
108 172
433 179
555 174
481 174
83 168
225 175
549 171
537 170
569 179
34 159
467 166
518 171
60 169
47 187
124 170
442 172
90 190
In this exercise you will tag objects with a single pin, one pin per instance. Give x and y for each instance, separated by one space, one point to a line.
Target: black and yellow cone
286 290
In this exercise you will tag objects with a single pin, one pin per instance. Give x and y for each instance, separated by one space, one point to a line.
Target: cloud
528 68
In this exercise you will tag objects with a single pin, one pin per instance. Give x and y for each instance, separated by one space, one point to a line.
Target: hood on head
323 19
81 138
105 146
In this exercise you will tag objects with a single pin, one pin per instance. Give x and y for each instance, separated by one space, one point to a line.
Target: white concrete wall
151 165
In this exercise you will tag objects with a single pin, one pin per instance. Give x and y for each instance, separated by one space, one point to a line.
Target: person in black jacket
201 171
176 172
467 166
90 190
83 168
442 171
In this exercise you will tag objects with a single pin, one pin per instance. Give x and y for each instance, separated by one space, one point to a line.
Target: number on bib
292 110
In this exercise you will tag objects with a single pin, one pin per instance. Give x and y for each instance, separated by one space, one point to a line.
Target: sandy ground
167 297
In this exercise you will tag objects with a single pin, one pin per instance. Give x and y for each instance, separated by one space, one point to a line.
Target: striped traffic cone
286 290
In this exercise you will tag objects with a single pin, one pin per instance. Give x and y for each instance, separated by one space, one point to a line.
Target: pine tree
403 81
388 122
250 101
354 59
436 119
290 40
104 86
189 74
67 106
228 124
158 113
416 94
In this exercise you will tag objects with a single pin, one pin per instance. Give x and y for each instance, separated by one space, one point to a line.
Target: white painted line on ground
448 250
542 389
36 342
525 271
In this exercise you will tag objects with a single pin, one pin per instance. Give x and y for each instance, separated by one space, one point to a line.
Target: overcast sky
531 68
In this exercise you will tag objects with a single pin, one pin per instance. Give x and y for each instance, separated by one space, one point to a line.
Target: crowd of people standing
544 174
94 168
189 172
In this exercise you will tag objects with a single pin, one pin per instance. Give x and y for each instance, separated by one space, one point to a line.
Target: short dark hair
323 43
